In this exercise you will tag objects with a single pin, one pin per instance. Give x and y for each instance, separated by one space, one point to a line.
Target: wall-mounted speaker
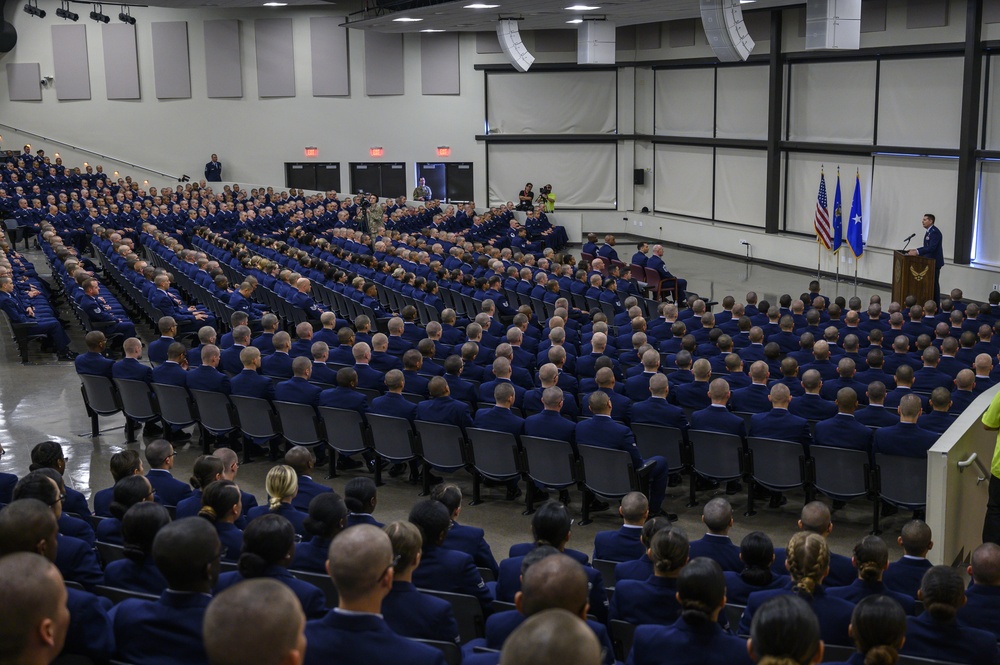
596 43
727 33
8 34
639 176
512 46
833 24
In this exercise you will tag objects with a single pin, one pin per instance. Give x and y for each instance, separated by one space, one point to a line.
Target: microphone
906 243
910 237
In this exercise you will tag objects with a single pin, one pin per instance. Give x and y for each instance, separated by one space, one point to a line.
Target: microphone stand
907 243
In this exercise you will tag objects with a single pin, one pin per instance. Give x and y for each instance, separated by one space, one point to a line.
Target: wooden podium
912 276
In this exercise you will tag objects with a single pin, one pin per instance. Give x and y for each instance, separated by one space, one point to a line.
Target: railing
49 139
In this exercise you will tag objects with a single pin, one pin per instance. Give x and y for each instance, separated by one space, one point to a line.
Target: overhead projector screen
582 175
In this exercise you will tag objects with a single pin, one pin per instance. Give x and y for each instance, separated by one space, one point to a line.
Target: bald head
552 637
718 391
271 608
557 581
357 556
33 614
815 517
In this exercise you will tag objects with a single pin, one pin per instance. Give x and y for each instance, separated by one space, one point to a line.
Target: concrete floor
42 401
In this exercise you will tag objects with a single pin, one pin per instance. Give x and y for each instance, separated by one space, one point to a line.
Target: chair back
109 552
638 272
137 402
607 472
549 462
622 635
215 411
176 407
839 473
322 582
776 465
346 431
716 455
734 613
468 613
441 445
299 424
494 454
256 417
607 570
392 437
902 481
452 652
100 394
116 595
667 442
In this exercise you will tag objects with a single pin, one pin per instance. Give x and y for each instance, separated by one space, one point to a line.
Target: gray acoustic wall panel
223 68
926 14
383 64
71 62
171 60
555 41
487 42
275 57
647 36
24 81
121 62
625 38
873 15
681 33
330 62
439 74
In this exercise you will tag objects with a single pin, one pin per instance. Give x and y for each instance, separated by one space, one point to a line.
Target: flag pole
819 254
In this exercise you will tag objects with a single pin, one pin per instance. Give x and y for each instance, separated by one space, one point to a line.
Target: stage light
98 15
64 13
125 16
33 10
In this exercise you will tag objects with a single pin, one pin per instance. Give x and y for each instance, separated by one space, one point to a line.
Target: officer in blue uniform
624 544
248 383
100 311
213 169
461 537
160 456
19 313
933 249
94 361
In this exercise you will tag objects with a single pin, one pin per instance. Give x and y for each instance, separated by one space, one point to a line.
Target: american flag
822 220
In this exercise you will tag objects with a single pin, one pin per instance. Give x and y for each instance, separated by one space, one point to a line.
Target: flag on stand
821 222
838 218
855 226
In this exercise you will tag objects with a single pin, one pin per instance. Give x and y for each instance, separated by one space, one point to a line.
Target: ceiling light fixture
99 15
581 8
126 16
575 20
32 8
275 4
481 5
407 19
65 13
432 30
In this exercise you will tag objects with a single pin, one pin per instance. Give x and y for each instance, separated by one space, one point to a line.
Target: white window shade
683 180
993 106
740 186
552 102
741 102
684 99
920 102
832 102
582 175
802 188
987 247
903 189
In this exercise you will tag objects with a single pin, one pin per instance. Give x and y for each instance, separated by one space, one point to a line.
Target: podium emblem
919 276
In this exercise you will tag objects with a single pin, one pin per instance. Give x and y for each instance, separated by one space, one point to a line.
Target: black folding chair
100 398
900 482
257 421
774 465
442 447
468 613
393 441
493 455
547 462
346 433
177 409
300 426
137 403
714 456
609 473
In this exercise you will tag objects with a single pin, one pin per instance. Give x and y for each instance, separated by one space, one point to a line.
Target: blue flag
838 218
855 225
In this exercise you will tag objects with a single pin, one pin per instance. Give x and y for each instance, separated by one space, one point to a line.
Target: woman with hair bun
222 505
757 555
129 491
268 548
808 561
654 600
696 638
282 485
137 571
207 470
878 627
785 632
871 558
936 634
327 517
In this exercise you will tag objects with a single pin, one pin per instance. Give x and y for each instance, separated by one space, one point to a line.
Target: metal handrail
973 459
88 150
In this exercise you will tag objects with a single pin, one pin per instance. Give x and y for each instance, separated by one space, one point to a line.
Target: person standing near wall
932 249
213 170
991 523
547 198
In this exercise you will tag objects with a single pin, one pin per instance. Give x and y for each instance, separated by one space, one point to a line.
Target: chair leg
130 427
246 450
426 480
333 457
529 498
587 498
378 471
693 498
876 505
205 446
477 484
95 428
751 511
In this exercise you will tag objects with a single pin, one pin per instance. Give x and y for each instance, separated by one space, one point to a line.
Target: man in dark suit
157 351
656 263
207 375
368 377
231 360
603 432
461 537
392 403
187 553
815 517
779 423
811 405
876 414
461 390
715 417
18 312
321 372
94 361
249 383
939 419
441 408
297 389
345 394
716 544
657 410
173 372
206 335
303 461
906 439
844 430
550 423
905 574
929 377
694 395
637 387
904 386
932 249
160 457
966 390
625 543
753 398
500 419
279 363
502 372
